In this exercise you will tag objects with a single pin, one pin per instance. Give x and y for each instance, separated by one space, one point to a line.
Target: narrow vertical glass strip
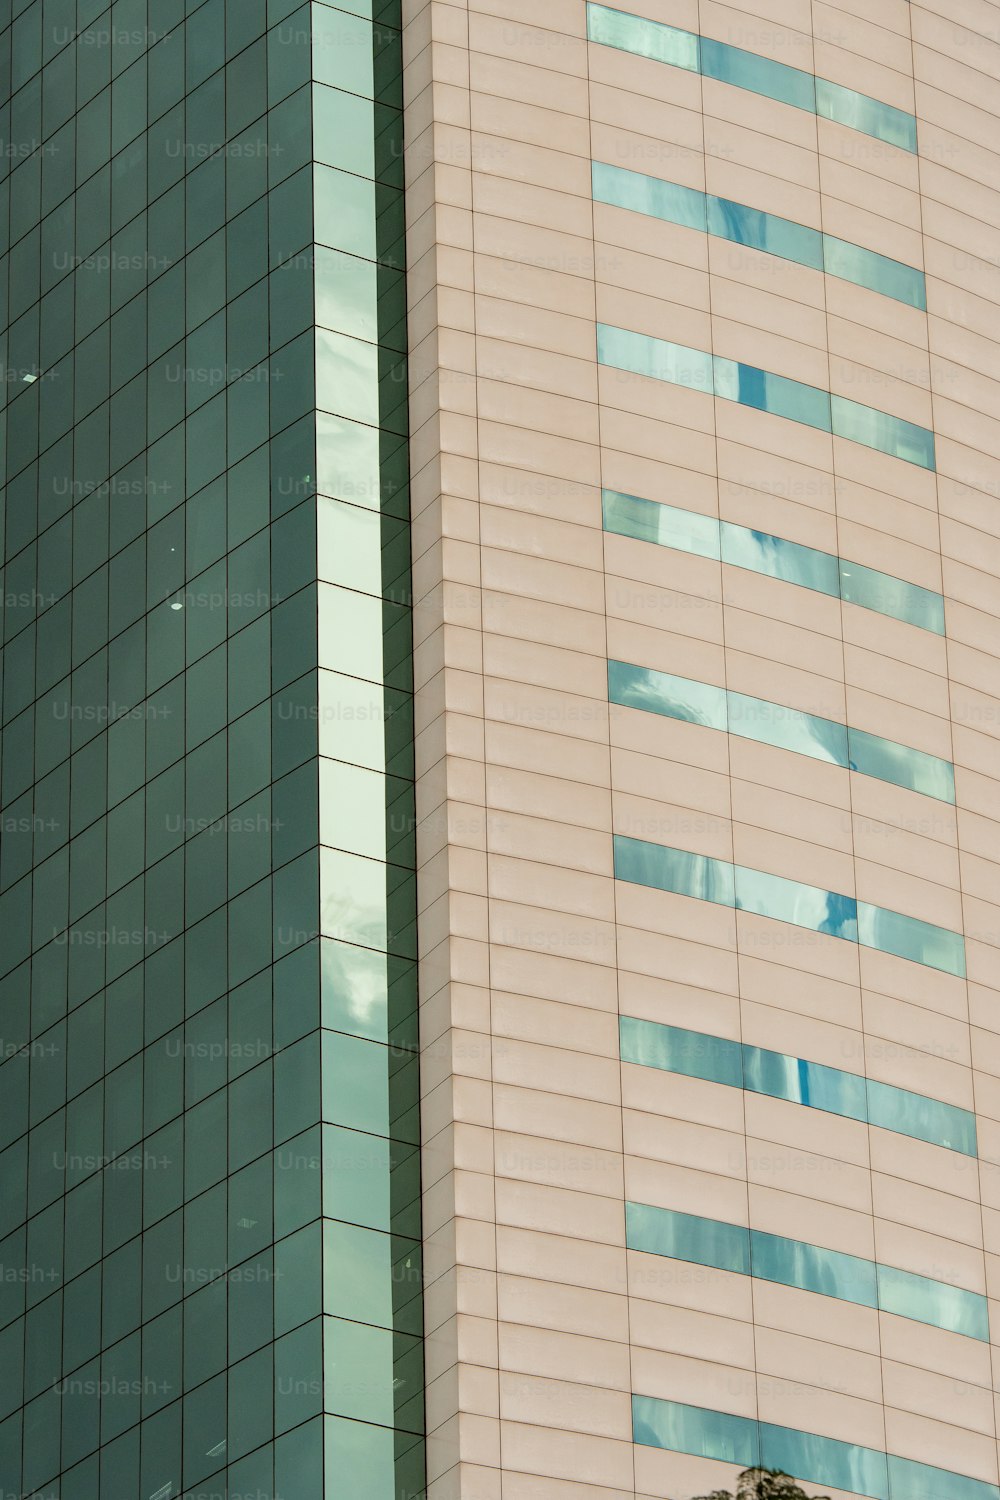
373 1379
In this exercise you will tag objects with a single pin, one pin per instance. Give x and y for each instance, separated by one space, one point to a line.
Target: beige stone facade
540 1323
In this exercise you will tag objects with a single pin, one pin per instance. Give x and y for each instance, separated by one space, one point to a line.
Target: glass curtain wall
209 1191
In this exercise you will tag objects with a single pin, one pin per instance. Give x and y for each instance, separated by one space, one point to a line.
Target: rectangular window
891 596
814 1460
648 521
869 116
761 75
880 430
666 44
674 870
808 906
780 1076
742 225
749 70
694 1054
704 1242
688 1429
659 359
785 728
908 937
742 547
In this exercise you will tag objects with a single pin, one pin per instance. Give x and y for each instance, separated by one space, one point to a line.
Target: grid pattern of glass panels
808 906
761 231
831 1273
760 552
748 70
659 359
698 1054
177 1054
813 1459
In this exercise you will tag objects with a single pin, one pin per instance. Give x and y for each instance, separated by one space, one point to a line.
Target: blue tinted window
801 905
614 28
812 1268
678 1428
915 769
802 1082
891 596
657 358
775 724
744 548
787 728
877 429
908 937
828 1272
674 870
912 1481
648 521
750 226
649 195
926 1301
659 693
823 1460
870 116
772 393
781 1076
924 1119
748 70
760 75
690 1429
892 278
706 1242
667 869
691 1053
743 225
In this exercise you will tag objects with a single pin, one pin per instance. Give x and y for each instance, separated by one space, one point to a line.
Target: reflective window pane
891 596
907 937
673 870
648 521
707 1242
883 121
615 28
676 1050
660 693
877 429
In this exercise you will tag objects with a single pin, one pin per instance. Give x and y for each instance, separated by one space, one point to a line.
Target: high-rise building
499 792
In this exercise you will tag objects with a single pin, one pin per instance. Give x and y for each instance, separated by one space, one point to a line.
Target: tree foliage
763 1484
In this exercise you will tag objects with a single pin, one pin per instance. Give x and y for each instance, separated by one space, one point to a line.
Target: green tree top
763 1484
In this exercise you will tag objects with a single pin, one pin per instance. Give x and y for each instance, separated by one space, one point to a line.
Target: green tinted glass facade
210 1274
